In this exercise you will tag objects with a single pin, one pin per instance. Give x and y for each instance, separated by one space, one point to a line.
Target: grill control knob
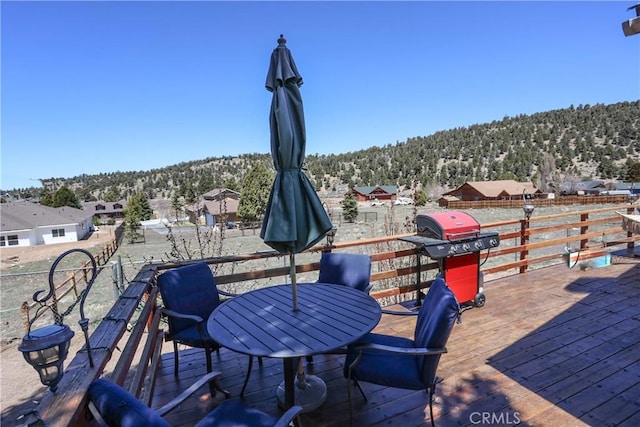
466 247
493 242
478 244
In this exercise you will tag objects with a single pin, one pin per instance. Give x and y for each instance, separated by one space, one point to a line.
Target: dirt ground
18 380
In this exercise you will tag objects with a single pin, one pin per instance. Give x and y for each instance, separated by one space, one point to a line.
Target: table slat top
262 322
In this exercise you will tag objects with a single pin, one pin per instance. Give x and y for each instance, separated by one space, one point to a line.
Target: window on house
58 232
11 240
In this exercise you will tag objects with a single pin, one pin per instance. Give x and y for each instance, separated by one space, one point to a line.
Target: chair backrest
190 289
353 270
119 408
436 318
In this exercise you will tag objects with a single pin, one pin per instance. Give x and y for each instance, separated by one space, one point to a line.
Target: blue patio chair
353 270
403 362
112 406
189 295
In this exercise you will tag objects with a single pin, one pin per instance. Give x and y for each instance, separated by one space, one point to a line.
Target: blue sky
92 87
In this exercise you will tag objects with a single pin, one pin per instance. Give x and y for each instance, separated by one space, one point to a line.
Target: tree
137 210
420 198
47 199
112 194
349 207
64 196
633 173
254 194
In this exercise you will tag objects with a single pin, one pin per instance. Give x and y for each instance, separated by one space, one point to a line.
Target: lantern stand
46 348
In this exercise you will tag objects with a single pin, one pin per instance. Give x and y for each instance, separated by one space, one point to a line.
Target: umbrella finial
282 41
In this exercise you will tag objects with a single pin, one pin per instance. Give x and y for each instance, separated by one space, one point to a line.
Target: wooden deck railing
524 244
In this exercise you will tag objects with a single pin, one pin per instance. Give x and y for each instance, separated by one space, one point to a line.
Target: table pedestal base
310 397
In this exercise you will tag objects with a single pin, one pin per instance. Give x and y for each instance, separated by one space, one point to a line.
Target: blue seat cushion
120 409
191 337
384 368
234 413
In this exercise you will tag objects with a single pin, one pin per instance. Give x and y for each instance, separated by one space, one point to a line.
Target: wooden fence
517 203
76 278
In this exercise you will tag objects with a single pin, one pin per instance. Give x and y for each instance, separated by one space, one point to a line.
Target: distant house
379 192
632 187
492 190
30 224
216 206
581 187
106 210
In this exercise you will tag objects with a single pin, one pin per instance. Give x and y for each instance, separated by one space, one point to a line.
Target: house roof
581 185
498 188
389 189
109 207
218 193
625 185
27 215
220 207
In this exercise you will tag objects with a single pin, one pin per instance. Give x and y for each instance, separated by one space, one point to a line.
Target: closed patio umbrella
295 218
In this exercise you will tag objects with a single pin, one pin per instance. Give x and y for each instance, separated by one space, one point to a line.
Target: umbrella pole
294 284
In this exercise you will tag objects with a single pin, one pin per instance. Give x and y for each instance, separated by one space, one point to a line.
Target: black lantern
632 26
527 208
46 348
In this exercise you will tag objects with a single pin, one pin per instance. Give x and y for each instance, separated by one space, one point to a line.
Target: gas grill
455 240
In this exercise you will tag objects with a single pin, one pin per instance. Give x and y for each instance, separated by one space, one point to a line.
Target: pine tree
254 197
349 207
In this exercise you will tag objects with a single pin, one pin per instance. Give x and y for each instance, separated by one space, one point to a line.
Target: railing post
583 230
524 240
631 244
74 284
25 316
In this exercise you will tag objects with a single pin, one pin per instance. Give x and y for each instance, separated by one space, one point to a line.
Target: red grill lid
448 225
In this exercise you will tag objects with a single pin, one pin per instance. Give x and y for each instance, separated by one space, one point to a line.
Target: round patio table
262 323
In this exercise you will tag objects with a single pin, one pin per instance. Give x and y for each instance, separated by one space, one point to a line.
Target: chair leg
213 385
207 352
431 393
246 378
175 358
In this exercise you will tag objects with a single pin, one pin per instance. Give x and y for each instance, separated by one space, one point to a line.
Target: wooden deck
554 346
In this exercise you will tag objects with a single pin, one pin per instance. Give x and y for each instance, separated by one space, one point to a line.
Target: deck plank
553 346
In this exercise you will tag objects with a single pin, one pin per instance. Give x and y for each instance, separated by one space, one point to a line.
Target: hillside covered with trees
584 142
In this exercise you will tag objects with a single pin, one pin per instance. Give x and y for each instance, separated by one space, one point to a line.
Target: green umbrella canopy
295 218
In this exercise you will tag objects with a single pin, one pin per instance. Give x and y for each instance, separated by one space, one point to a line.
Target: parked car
403 201
377 203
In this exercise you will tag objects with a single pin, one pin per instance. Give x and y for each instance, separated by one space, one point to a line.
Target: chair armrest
97 416
188 392
227 294
400 313
196 319
400 350
287 417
